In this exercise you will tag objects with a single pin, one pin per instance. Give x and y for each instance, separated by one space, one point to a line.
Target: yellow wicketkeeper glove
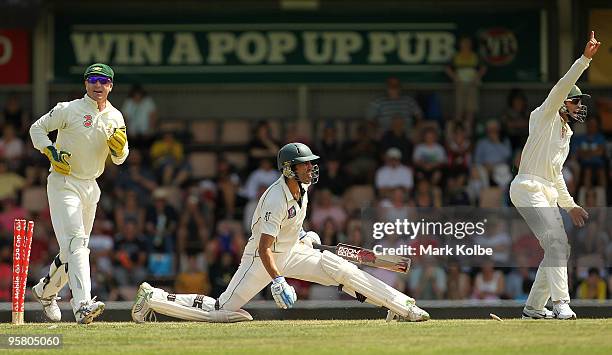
59 160
116 142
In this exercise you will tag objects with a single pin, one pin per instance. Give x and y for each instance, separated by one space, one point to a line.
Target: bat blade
367 257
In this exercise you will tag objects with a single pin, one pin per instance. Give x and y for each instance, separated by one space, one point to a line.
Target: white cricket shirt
83 131
547 146
277 214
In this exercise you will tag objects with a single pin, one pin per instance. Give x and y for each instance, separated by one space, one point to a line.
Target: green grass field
585 336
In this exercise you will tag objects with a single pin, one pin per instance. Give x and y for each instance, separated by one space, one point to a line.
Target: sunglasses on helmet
576 100
102 79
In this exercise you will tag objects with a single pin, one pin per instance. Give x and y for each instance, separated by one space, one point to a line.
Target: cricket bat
367 257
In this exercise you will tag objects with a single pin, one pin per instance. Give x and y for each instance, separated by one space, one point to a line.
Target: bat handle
324 247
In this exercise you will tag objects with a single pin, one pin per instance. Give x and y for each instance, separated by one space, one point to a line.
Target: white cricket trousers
302 263
73 205
536 200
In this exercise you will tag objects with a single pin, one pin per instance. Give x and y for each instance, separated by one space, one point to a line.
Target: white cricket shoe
87 310
530 313
563 311
141 311
415 314
49 304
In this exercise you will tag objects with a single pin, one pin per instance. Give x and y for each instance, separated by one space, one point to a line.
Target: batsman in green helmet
279 249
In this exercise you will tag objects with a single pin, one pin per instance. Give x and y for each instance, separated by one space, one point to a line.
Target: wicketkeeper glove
59 160
283 293
116 142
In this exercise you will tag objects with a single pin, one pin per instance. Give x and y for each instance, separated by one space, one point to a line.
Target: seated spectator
130 256
515 119
326 207
477 181
429 157
227 184
101 245
229 237
591 239
12 148
194 279
527 246
130 210
262 146
594 287
458 283
193 229
395 207
519 282
491 150
591 151
137 177
498 239
140 116
331 177
489 283
426 195
265 175
427 280
10 211
329 143
459 150
330 232
15 115
396 137
361 155
456 190
11 183
168 158
102 258
394 103
393 174
161 221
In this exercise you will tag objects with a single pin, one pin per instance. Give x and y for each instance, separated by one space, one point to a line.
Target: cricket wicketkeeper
279 248
88 130
539 187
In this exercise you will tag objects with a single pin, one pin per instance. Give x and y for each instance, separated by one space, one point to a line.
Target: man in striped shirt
384 108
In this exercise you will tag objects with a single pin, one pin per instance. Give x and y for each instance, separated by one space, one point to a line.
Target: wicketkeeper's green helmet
292 154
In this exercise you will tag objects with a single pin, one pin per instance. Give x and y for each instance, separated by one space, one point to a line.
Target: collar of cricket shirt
286 189
92 102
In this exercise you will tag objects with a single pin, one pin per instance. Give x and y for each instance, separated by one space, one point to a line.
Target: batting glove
59 160
309 238
116 142
283 293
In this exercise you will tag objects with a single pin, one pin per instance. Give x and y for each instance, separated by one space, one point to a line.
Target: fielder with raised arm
88 129
539 187
279 248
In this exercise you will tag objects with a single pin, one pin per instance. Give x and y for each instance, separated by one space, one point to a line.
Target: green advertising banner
309 49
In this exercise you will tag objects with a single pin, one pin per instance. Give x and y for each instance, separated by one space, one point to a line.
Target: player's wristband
278 280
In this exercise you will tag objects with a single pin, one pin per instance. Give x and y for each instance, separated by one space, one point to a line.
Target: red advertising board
14 56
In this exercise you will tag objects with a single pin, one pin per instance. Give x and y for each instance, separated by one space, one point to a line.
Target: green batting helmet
294 153
575 92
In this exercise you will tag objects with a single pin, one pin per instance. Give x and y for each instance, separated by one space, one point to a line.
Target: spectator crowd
160 220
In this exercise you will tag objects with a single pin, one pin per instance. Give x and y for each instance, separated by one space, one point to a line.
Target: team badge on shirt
88 121
291 212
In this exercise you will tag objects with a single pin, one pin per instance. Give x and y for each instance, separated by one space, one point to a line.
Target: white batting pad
355 280
194 307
